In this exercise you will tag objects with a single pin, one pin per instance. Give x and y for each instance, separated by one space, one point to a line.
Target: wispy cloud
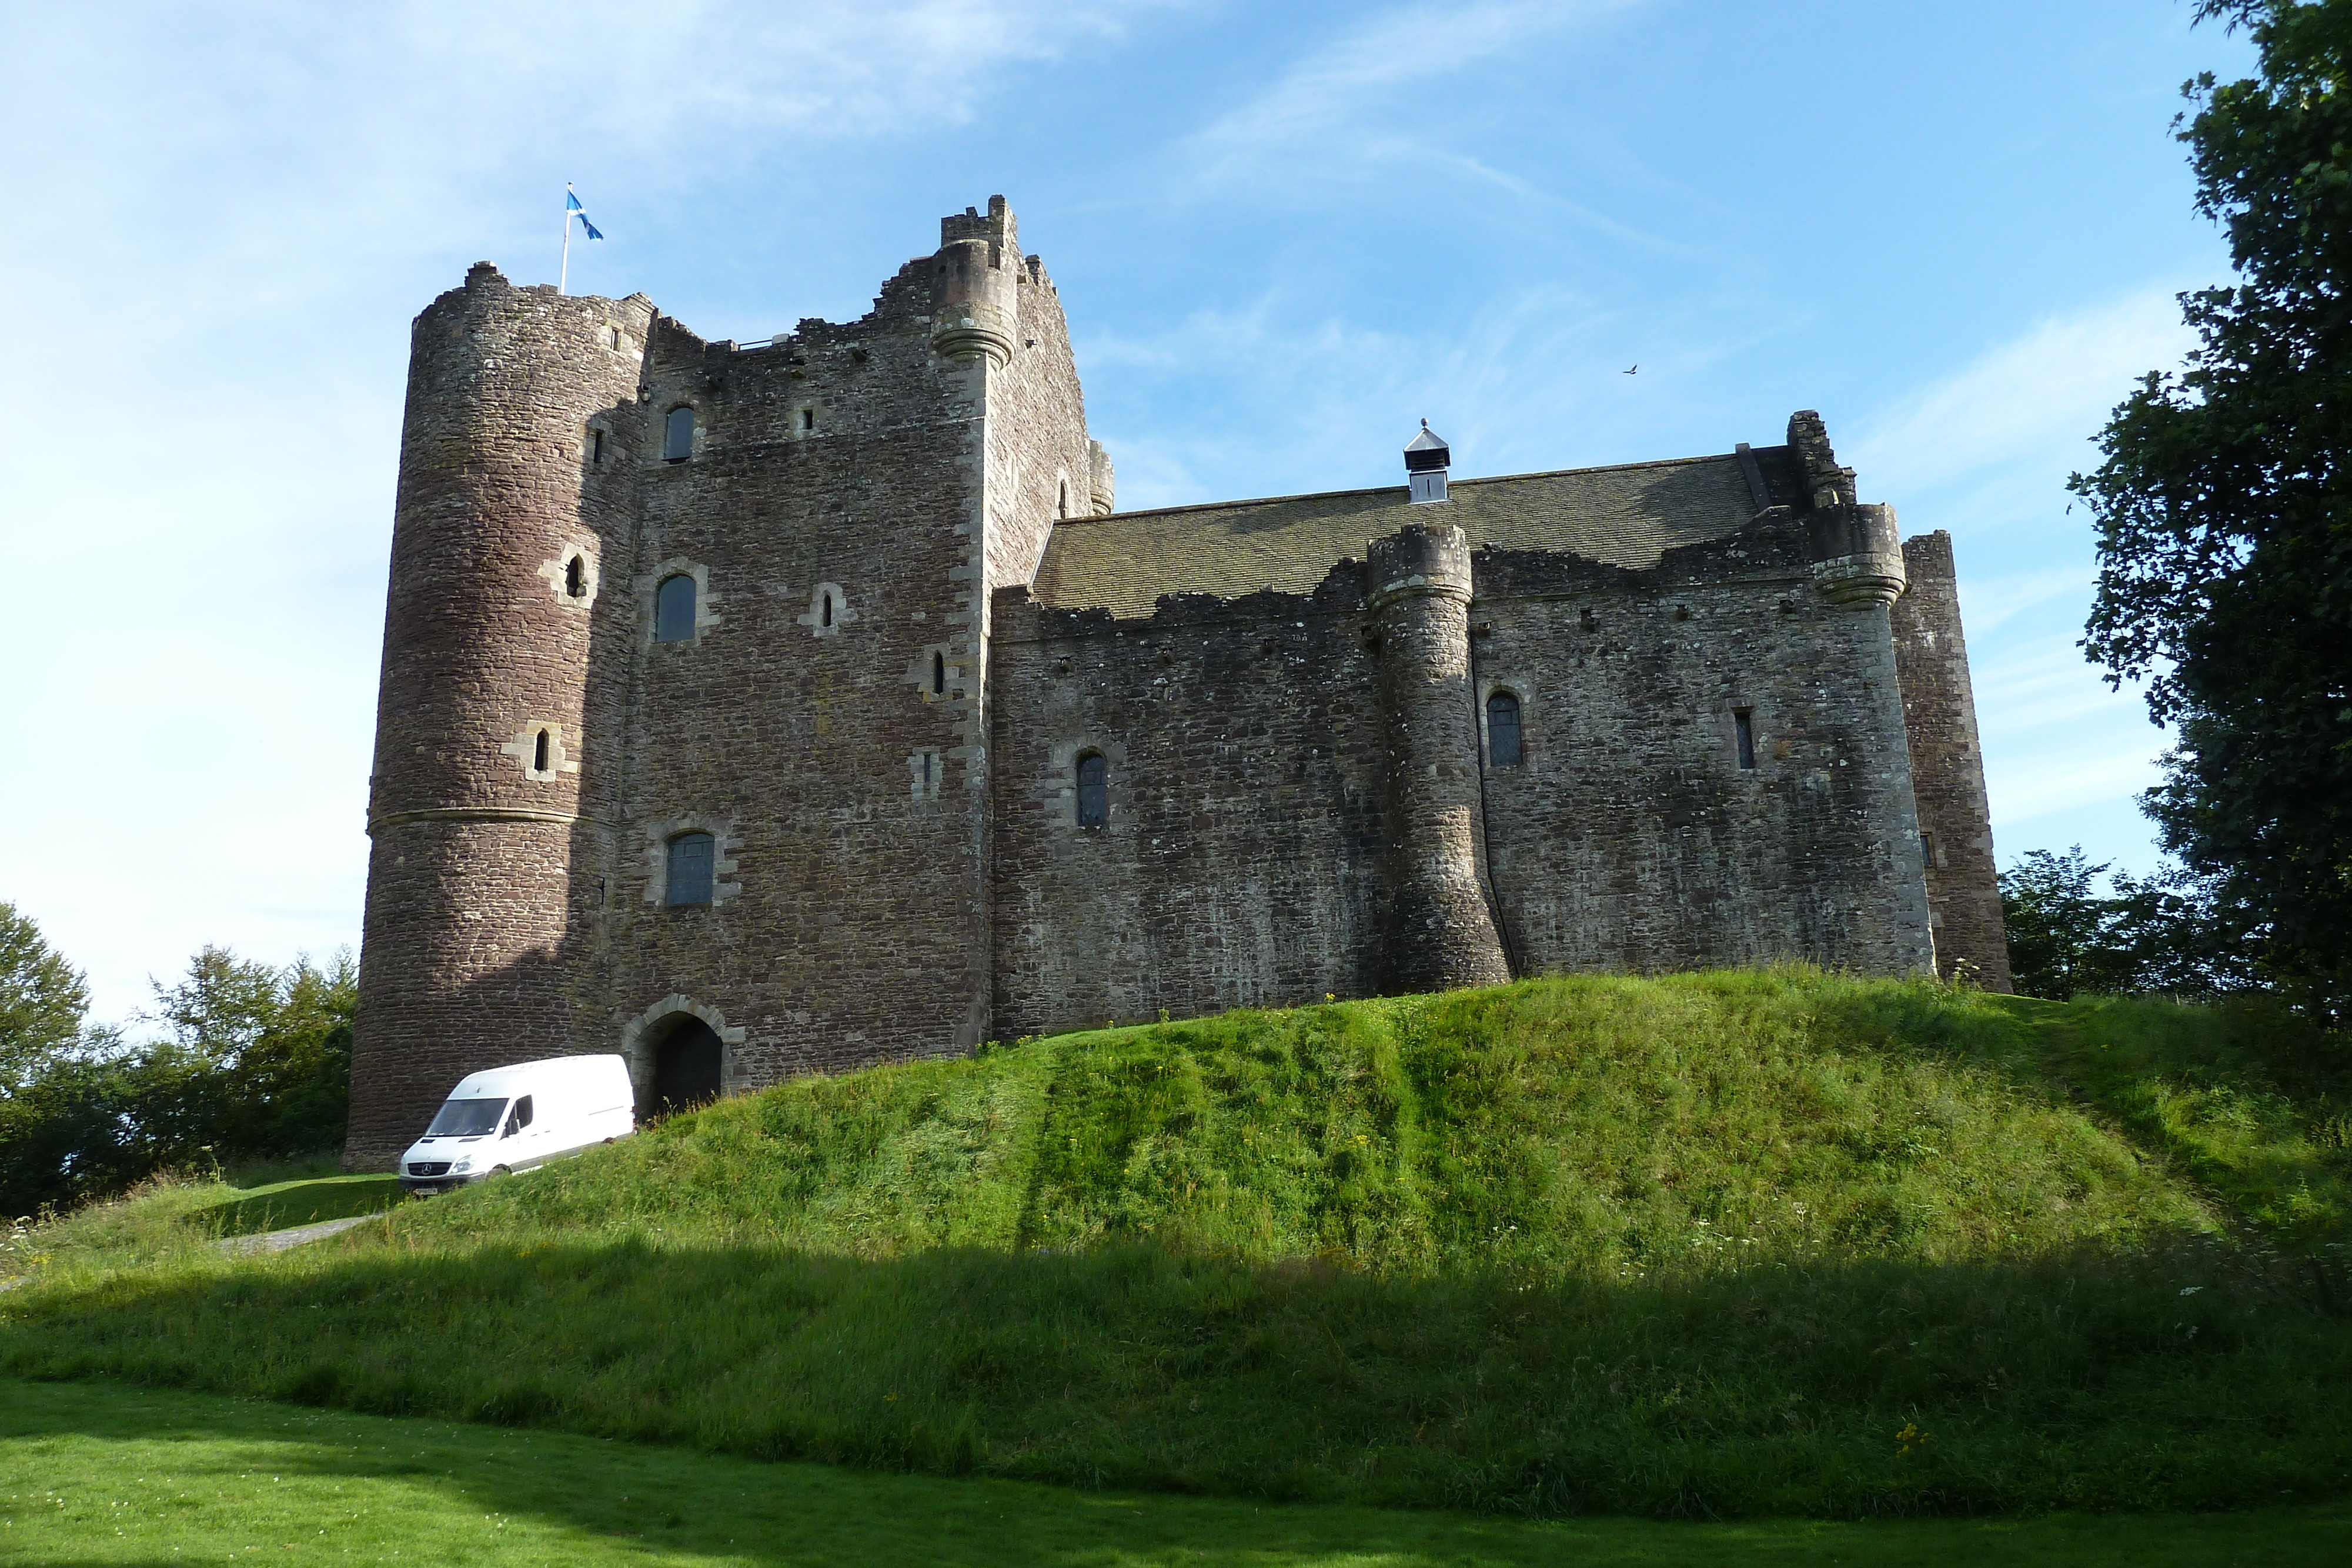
1531 379
234 209
1984 451
2024 409
1355 109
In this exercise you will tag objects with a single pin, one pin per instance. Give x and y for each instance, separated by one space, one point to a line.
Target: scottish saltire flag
572 205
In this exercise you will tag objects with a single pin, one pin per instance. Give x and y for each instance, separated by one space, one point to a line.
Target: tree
255 1063
2060 943
2153 934
2224 512
42 1000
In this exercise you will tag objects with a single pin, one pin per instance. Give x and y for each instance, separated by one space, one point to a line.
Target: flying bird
1637 366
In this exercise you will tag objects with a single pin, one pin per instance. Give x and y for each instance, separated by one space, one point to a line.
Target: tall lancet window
688 879
1503 748
1094 790
674 610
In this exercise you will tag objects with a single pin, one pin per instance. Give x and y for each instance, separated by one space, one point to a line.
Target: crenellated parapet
976 286
1857 548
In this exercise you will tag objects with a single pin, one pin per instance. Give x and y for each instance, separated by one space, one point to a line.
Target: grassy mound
1734 1243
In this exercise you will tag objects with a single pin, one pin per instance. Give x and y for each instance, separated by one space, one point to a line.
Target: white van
512 1118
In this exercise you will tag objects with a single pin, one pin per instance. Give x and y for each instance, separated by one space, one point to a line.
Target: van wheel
612 1140
502 1170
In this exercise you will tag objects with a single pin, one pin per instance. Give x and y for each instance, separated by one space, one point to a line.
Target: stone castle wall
1939 709
1241 856
879 726
476 935
1630 837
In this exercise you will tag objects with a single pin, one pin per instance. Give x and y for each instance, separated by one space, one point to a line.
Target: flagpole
563 275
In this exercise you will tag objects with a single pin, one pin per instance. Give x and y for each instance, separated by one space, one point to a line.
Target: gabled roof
1627 516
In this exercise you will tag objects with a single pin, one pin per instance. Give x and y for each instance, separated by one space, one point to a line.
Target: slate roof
1627 516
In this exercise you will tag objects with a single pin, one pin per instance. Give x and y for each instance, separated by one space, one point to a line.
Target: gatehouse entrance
686 1069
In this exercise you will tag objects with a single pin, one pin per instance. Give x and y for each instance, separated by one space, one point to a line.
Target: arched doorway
686 1069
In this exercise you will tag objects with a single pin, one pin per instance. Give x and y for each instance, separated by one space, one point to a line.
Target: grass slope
1733 1243
92 1477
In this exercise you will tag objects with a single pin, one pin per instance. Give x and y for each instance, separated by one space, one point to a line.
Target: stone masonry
973 754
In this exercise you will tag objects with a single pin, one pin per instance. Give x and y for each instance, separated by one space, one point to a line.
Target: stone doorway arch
679 1053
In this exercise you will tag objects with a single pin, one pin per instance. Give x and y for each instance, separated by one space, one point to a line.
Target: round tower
505 627
1438 932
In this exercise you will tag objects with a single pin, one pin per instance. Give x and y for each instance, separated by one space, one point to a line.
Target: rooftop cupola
1425 459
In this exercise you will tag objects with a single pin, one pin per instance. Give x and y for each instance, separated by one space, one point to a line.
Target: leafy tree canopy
2155 935
255 1063
42 1000
2224 511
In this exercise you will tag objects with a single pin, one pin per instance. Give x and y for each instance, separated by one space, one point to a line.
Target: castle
752 709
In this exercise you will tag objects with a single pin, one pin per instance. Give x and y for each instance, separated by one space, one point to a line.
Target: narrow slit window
808 418
690 855
938 675
1094 780
1743 731
825 610
595 446
1928 851
539 754
678 435
1504 747
575 578
1062 505
674 610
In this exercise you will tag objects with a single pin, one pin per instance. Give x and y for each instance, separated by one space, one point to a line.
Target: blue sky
1284 234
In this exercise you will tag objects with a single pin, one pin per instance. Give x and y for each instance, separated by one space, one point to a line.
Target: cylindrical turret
1857 550
1438 932
1104 486
509 590
975 298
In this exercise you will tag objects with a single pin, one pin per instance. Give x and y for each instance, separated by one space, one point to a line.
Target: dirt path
278 1241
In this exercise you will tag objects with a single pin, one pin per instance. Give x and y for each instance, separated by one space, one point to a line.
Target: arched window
1503 747
688 879
938 675
539 754
678 435
825 612
674 610
575 578
1094 779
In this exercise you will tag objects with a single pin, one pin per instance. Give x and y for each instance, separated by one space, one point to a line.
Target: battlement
997 226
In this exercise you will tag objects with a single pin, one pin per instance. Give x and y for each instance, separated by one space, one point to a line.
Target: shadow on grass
215 1478
298 1203
2196 1378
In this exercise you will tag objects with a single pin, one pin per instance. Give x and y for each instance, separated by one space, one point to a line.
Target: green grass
283 1205
1708 1245
175 1215
91 1476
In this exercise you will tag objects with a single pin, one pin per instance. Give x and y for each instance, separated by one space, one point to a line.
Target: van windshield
466 1118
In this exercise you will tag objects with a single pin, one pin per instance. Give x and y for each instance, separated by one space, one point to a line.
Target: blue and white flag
572 205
